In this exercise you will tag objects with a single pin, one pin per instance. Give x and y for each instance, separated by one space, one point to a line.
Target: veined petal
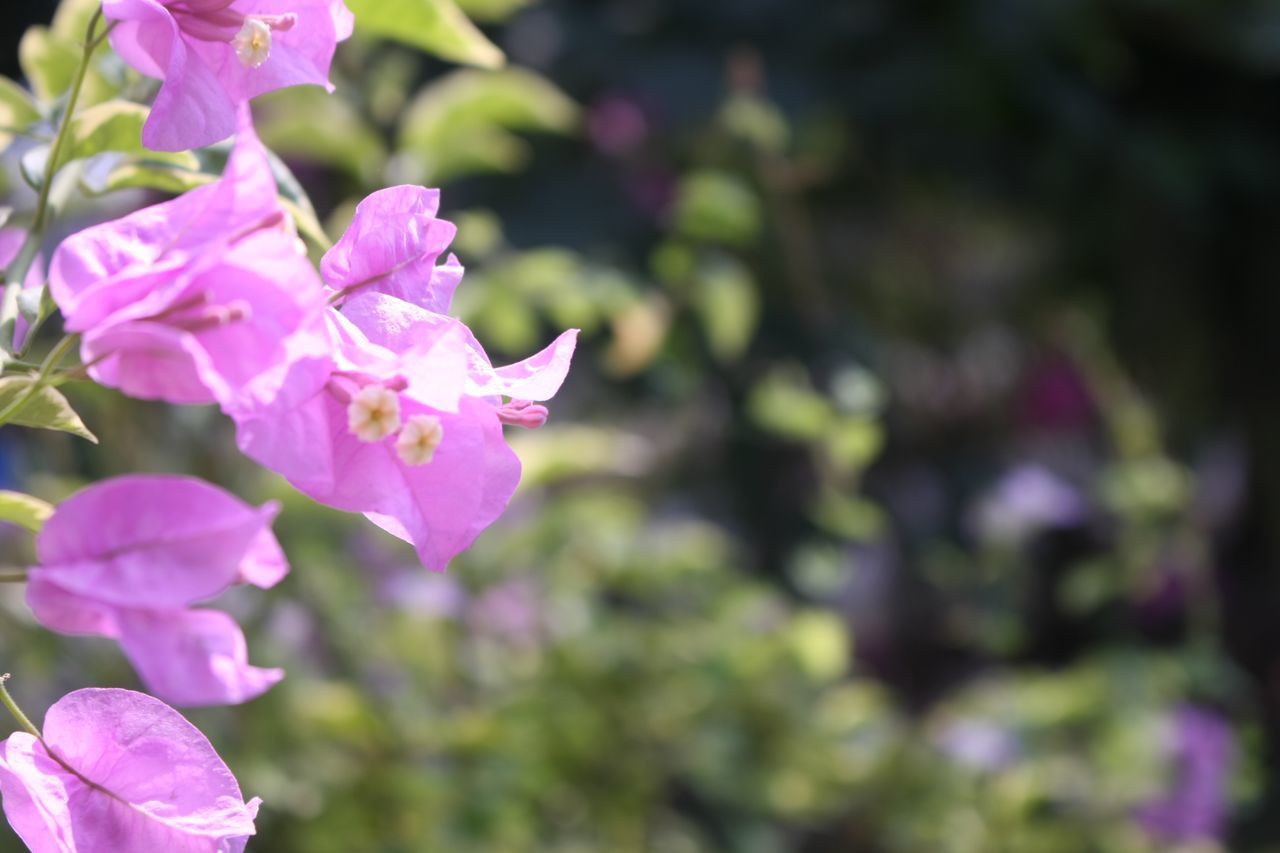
538 377
152 541
391 247
131 775
192 657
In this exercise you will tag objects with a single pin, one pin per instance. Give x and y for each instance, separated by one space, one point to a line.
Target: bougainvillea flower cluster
351 381
199 299
128 557
215 55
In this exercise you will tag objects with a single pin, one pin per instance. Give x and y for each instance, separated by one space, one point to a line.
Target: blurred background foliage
917 485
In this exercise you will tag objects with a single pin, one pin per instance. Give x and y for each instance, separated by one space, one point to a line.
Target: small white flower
253 43
419 439
374 413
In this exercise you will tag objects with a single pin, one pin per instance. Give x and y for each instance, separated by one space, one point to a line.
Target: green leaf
436 26
463 123
31 165
17 110
47 410
785 403
492 10
172 172
718 207
49 55
24 510
288 120
110 126
728 305
48 62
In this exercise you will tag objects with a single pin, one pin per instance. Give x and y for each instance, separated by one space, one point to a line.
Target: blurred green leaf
821 644
31 165
849 517
49 55
170 173
853 443
728 305
288 119
463 123
18 110
718 207
109 126
757 121
48 63
785 403
436 26
24 510
493 10
48 409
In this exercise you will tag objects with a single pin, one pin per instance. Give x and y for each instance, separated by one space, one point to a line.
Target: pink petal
392 246
440 507
151 541
69 612
300 55
429 350
192 657
152 361
134 264
290 439
133 776
538 377
397 325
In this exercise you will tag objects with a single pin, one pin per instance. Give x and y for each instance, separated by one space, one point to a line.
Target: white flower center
419 439
253 42
373 413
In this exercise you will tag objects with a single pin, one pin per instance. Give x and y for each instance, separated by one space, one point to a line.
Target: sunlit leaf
48 409
109 126
24 510
49 55
785 403
48 62
17 110
32 164
463 123
728 306
436 26
718 207
288 122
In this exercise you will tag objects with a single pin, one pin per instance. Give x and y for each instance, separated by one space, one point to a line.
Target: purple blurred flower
432 596
1195 806
511 609
979 744
616 125
1056 395
1027 500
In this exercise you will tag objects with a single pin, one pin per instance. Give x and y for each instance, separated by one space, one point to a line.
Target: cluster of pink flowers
352 382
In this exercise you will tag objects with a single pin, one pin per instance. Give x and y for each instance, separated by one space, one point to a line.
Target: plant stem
16 711
17 271
50 363
13 577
